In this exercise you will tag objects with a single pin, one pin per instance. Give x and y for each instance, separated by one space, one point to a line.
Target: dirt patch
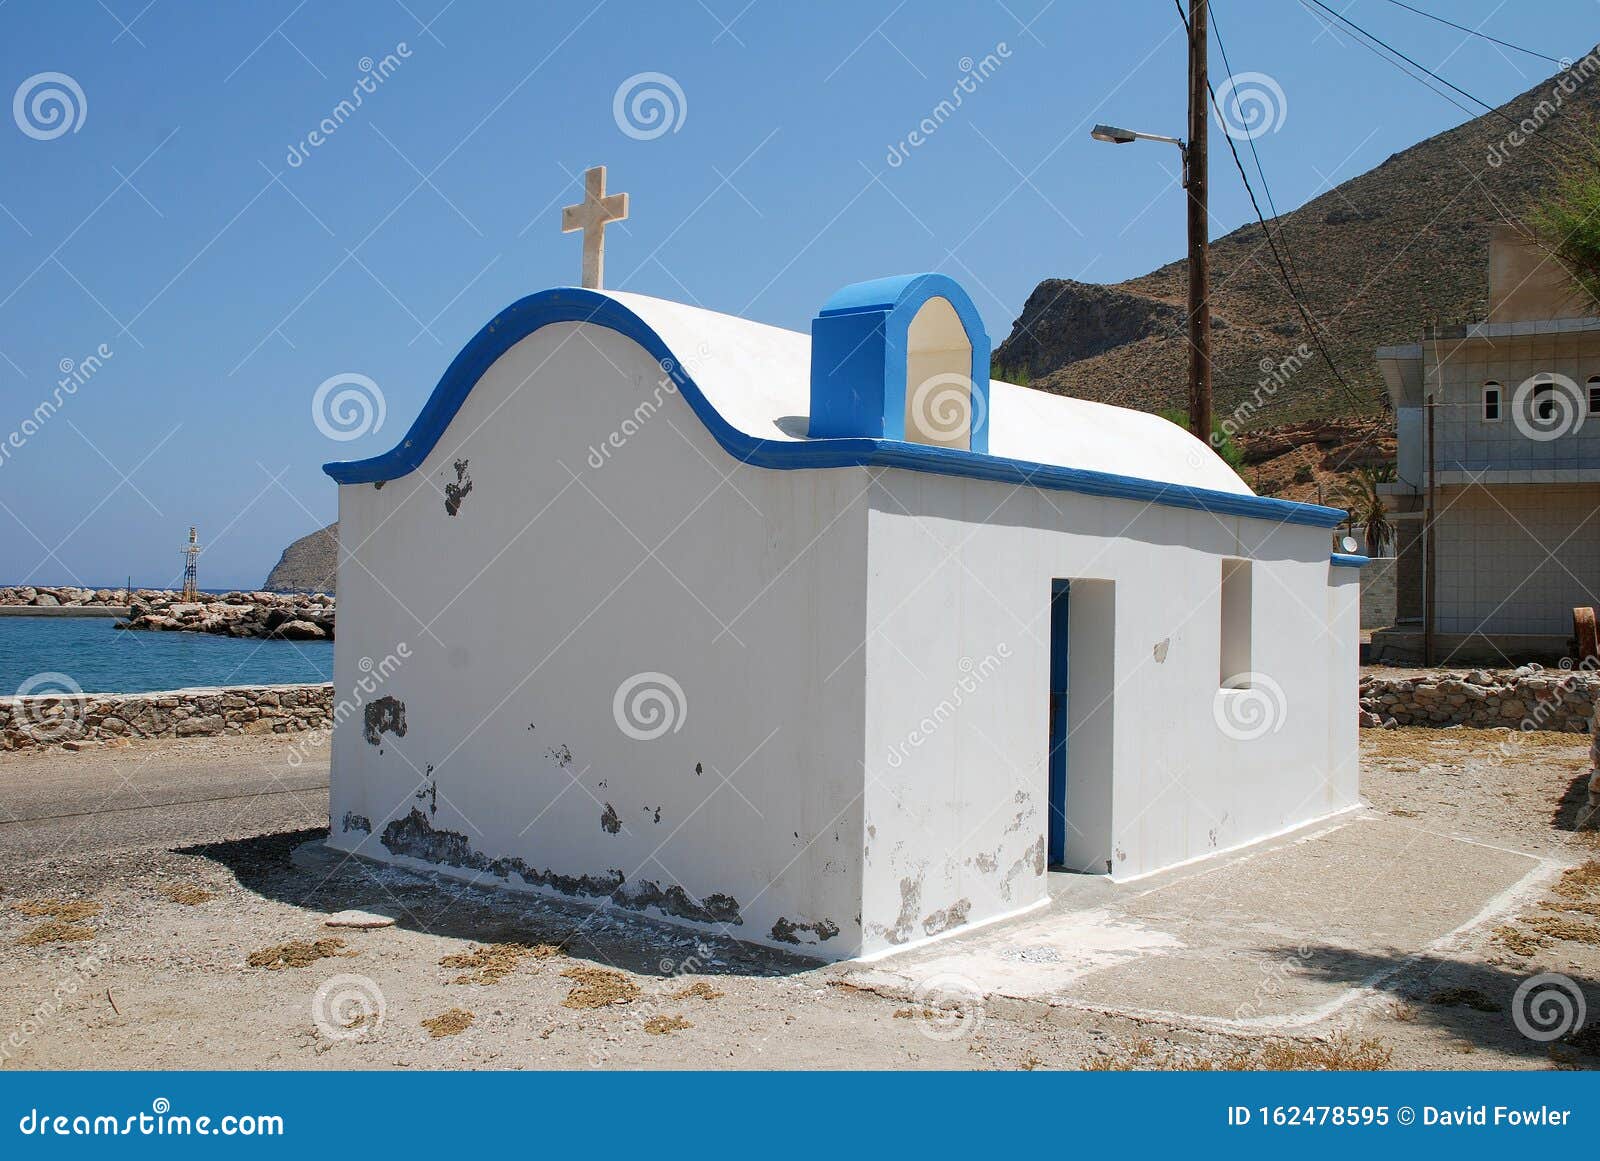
188 894
666 1025
55 931
296 953
1340 1052
67 910
699 990
598 988
492 963
450 1023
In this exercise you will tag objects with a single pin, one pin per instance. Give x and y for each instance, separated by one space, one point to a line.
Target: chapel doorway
1082 714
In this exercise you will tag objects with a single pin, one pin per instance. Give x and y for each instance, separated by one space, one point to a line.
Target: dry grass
188 894
665 1025
1565 927
699 990
1341 1052
56 931
1518 941
598 987
66 910
296 953
450 1023
1463 998
1581 882
492 963
1437 747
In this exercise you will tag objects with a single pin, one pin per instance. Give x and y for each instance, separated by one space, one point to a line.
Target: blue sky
227 283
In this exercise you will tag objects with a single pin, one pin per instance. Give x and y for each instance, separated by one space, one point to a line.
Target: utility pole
1200 412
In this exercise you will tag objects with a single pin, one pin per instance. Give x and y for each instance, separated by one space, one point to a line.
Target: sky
186 260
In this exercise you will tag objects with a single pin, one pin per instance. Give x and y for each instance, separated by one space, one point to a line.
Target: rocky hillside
1379 257
309 565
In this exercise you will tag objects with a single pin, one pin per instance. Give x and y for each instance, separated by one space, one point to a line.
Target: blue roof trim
1346 560
569 304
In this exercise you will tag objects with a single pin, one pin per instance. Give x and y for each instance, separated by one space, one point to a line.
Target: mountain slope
308 565
1383 254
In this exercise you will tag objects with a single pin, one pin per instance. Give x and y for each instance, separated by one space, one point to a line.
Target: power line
1288 281
1476 32
1417 65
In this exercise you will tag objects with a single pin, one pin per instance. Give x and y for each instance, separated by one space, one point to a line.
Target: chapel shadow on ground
1473 1002
486 912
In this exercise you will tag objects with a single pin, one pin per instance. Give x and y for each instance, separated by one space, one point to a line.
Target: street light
1115 135
1194 183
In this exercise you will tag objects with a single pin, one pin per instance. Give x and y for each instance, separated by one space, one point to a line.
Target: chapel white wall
573 565
962 569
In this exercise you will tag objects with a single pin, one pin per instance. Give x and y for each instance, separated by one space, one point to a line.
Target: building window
1491 402
1594 394
1235 667
1544 401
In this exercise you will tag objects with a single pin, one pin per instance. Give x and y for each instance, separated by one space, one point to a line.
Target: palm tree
1360 496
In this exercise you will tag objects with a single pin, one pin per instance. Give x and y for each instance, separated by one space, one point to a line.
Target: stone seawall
1527 698
75 721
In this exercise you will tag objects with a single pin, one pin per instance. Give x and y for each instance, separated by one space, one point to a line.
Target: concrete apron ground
1278 937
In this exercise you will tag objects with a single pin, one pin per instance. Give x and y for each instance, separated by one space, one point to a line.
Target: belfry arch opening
938 377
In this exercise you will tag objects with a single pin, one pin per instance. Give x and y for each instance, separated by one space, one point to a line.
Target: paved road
155 794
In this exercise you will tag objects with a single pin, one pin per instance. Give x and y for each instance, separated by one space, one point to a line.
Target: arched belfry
903 358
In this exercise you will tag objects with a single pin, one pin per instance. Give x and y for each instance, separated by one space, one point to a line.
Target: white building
1512 407
826 642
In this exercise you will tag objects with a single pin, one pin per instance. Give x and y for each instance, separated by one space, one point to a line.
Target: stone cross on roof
591 216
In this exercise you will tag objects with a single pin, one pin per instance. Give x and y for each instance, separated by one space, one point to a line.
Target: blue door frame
1058 722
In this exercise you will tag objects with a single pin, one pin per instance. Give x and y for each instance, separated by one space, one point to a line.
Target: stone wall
1378 593
1526 698
74 721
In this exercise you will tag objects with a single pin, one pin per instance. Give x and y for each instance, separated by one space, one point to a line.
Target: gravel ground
135 950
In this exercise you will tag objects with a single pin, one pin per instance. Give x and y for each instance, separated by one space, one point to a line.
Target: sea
36 653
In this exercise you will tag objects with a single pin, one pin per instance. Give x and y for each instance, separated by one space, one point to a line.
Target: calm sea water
105 660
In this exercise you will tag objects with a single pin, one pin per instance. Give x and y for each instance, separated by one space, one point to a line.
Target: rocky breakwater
1529 697
65 596
276 616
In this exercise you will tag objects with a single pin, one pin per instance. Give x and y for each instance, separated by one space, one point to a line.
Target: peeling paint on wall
789 931
910 905
415 837
609 822
947 917
387 715
354 821
456 493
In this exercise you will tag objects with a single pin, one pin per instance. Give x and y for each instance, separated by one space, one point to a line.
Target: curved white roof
758 378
